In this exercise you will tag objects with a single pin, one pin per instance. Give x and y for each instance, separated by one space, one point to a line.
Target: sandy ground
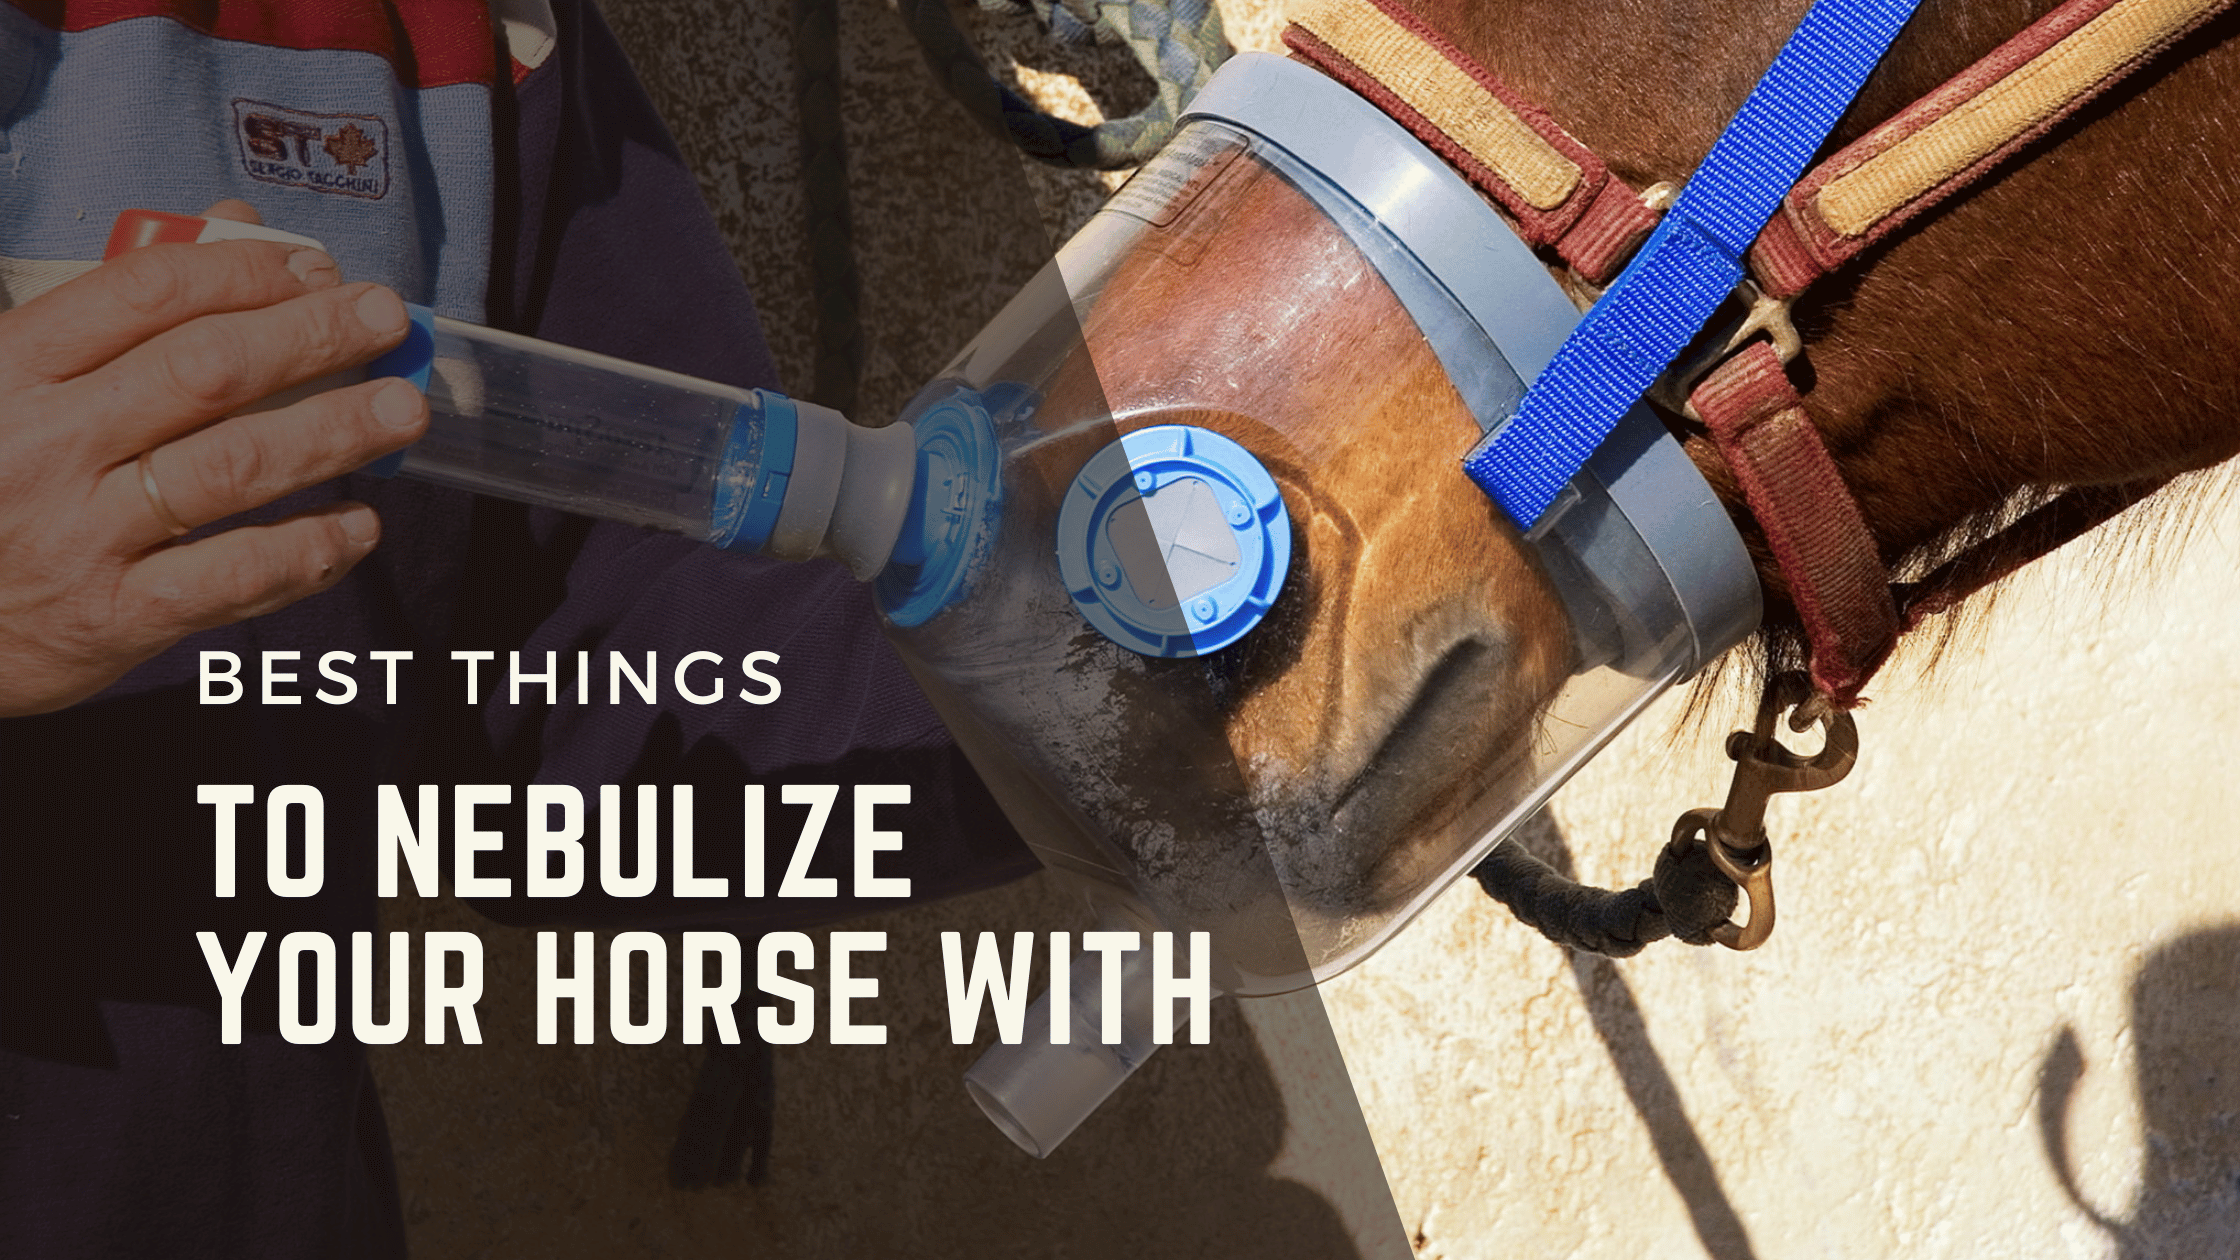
2001 1017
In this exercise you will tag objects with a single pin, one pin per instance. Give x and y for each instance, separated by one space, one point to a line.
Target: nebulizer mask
1235 641
1180 549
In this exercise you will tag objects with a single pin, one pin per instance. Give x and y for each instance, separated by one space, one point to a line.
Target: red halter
1851 613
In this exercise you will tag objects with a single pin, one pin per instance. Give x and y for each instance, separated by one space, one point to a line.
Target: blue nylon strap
1692 261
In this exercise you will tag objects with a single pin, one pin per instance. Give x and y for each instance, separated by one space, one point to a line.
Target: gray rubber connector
848 492
875 491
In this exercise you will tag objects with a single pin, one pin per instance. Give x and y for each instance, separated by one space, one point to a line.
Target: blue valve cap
1173 541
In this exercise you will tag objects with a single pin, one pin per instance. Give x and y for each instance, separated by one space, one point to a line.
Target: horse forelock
2067 322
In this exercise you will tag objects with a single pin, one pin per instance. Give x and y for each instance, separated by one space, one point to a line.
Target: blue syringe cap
412 359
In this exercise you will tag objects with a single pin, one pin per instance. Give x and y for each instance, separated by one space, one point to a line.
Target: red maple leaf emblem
350 147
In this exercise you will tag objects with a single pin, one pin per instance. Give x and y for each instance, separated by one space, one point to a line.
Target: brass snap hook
1735 834
1756 881
1751 870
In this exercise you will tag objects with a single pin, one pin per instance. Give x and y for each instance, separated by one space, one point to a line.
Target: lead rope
1179 43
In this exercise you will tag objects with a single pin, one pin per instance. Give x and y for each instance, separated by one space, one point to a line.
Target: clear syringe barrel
540 423
552 426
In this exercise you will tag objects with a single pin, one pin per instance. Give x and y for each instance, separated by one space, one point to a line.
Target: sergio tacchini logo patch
330 153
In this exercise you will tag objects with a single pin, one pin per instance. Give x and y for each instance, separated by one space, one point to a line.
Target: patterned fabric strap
1958 133
1561 195
1178 43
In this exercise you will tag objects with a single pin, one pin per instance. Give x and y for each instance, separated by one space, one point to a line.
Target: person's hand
118 434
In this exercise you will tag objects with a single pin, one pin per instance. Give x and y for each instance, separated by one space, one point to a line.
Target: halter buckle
1760 315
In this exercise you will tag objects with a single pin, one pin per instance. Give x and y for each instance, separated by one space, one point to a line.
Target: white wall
2038 845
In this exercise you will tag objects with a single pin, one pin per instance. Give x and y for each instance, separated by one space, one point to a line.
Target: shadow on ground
1649 1084
511 1148
2185 1019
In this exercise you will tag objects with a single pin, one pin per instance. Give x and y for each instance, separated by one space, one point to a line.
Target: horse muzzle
1209 602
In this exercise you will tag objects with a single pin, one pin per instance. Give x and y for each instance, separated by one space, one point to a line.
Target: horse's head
1407 685
2066 323
1392 705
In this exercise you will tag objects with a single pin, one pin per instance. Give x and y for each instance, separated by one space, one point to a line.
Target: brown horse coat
2069 322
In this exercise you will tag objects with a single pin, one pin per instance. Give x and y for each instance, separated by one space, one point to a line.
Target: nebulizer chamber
1180 549
1428 673
557 427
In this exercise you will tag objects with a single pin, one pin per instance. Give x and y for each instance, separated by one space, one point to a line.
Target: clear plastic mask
1181 548
1300 777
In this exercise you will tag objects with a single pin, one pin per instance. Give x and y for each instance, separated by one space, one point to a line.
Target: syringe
553 426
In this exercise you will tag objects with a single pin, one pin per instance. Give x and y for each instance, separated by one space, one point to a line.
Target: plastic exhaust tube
1037 1092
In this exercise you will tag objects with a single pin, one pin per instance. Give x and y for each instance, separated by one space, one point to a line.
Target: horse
1976 367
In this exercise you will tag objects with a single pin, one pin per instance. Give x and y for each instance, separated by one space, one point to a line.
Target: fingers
253 459
123 395
84 324
235 209
245 572
222 363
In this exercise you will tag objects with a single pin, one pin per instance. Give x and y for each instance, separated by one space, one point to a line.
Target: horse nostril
1442 695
